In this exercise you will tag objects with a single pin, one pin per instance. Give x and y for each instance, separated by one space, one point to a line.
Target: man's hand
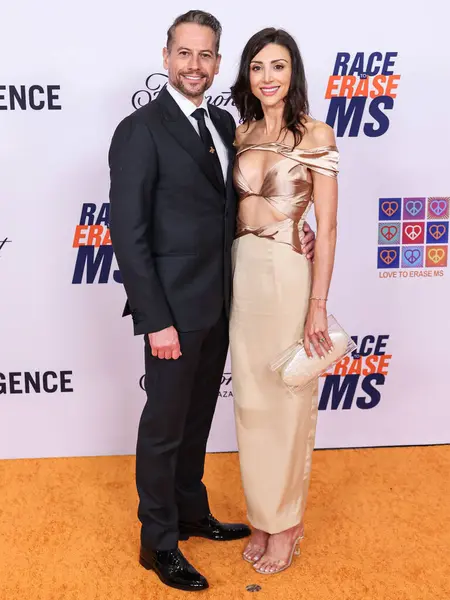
308 241
165 343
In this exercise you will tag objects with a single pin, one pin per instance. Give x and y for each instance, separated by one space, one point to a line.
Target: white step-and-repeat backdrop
70 369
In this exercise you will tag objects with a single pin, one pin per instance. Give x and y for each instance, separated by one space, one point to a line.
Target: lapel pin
212 150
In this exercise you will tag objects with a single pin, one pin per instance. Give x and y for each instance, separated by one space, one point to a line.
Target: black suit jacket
172 221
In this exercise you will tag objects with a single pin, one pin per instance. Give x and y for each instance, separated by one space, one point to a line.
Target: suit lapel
181 129
220 123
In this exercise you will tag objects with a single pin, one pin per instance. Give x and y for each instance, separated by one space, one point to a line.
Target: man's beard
199 90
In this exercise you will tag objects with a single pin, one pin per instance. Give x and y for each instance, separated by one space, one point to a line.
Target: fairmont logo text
3 244
155 83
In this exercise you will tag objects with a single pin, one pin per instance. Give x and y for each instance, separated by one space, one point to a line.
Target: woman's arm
325 191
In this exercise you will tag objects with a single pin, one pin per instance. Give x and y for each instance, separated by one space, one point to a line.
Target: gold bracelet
316 298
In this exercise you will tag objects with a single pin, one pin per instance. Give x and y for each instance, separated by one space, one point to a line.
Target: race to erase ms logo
412 237
361 90
95 262
357 380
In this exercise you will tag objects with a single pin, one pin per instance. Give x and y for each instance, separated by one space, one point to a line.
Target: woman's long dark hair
296 101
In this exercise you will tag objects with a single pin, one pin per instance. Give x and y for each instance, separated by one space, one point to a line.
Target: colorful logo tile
390 209
389 233
414 209
438 208
413 233
437 232
436 256
388 257
412 257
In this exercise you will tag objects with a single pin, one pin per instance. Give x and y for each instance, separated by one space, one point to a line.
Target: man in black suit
173 213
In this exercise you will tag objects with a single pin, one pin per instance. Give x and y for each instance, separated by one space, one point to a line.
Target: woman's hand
316 330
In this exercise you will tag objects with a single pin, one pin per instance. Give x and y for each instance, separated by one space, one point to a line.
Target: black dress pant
173 432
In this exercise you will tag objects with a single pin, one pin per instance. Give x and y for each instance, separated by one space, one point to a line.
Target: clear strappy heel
257 548
283 565
260 550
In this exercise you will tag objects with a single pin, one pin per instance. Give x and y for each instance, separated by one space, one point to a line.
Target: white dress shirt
187 107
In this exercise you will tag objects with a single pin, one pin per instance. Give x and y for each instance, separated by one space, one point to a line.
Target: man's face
192 61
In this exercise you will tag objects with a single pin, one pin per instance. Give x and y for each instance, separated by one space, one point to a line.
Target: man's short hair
200 18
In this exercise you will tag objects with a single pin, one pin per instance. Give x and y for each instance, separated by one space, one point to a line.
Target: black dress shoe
173 569
212 529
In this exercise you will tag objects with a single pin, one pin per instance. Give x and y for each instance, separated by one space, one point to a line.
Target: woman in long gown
286 162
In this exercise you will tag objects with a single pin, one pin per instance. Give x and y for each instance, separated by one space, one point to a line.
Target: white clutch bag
297 370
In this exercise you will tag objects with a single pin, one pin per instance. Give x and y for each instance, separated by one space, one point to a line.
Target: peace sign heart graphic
438 208
413 233
436 256
389 232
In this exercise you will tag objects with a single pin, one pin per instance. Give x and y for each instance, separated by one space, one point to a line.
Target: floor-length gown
271 290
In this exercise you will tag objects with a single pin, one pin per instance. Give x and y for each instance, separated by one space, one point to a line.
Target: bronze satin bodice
286 188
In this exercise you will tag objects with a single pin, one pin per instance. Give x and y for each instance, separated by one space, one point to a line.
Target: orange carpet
377 527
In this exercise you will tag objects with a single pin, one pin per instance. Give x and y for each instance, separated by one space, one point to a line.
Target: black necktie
205 134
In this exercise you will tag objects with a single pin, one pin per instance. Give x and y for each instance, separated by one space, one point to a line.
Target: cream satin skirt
275 429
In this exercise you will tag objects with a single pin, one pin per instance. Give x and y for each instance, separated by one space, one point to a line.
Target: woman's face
270 74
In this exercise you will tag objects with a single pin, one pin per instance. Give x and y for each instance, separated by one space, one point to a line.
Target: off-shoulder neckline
247 146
